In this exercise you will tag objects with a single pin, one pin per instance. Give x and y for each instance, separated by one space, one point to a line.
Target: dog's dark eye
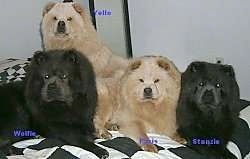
156 81
218 85
69 19
46 76
141 80
64 76
201 84
55 18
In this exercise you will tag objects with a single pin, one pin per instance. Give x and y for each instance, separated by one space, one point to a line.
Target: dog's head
211 86
151 79
64 20
58 76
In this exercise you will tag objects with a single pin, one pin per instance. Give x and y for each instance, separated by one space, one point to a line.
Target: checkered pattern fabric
12 70
120 147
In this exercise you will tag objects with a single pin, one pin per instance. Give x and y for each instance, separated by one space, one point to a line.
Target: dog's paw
112 127
150 148
103 134
179 139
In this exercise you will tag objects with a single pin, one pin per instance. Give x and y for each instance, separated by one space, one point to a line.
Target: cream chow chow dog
149 91
68 25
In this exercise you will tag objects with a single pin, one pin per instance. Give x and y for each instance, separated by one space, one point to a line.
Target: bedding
119 146
12 70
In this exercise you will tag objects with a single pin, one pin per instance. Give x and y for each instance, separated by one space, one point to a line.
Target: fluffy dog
149 92
207 107
67 26
61 98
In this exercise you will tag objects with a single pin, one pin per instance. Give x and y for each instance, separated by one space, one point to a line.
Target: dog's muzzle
208 97
53 92
148 93
61 27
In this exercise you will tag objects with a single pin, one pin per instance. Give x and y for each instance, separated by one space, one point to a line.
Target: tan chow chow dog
67 26
149 91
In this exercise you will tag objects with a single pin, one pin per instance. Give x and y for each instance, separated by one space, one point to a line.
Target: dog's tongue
67 1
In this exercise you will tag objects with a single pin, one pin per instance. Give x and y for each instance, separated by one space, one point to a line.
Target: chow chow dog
61 98
207 107
149 91
68 25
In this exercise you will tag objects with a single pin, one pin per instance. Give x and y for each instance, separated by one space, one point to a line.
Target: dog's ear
84 14
71 56
40 57
170 68
228 69
133 65
48 7
163 64
196 66
78 8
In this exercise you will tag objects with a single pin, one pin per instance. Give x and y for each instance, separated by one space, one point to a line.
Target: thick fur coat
69 26
59 98
149 92
208 107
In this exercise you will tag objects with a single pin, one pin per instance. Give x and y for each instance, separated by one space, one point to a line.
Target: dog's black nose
53 91
61 27
52 86
148 91
61 24
208 97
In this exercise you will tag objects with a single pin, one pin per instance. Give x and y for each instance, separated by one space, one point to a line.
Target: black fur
13 114
67 1
207 107
61 97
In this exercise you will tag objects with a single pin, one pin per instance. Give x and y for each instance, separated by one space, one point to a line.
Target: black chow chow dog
61 97
207 108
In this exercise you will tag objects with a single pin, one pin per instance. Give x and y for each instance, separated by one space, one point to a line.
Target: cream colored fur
137 115
80 35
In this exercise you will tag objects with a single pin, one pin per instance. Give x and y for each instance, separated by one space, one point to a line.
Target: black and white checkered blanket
12 70
120 147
